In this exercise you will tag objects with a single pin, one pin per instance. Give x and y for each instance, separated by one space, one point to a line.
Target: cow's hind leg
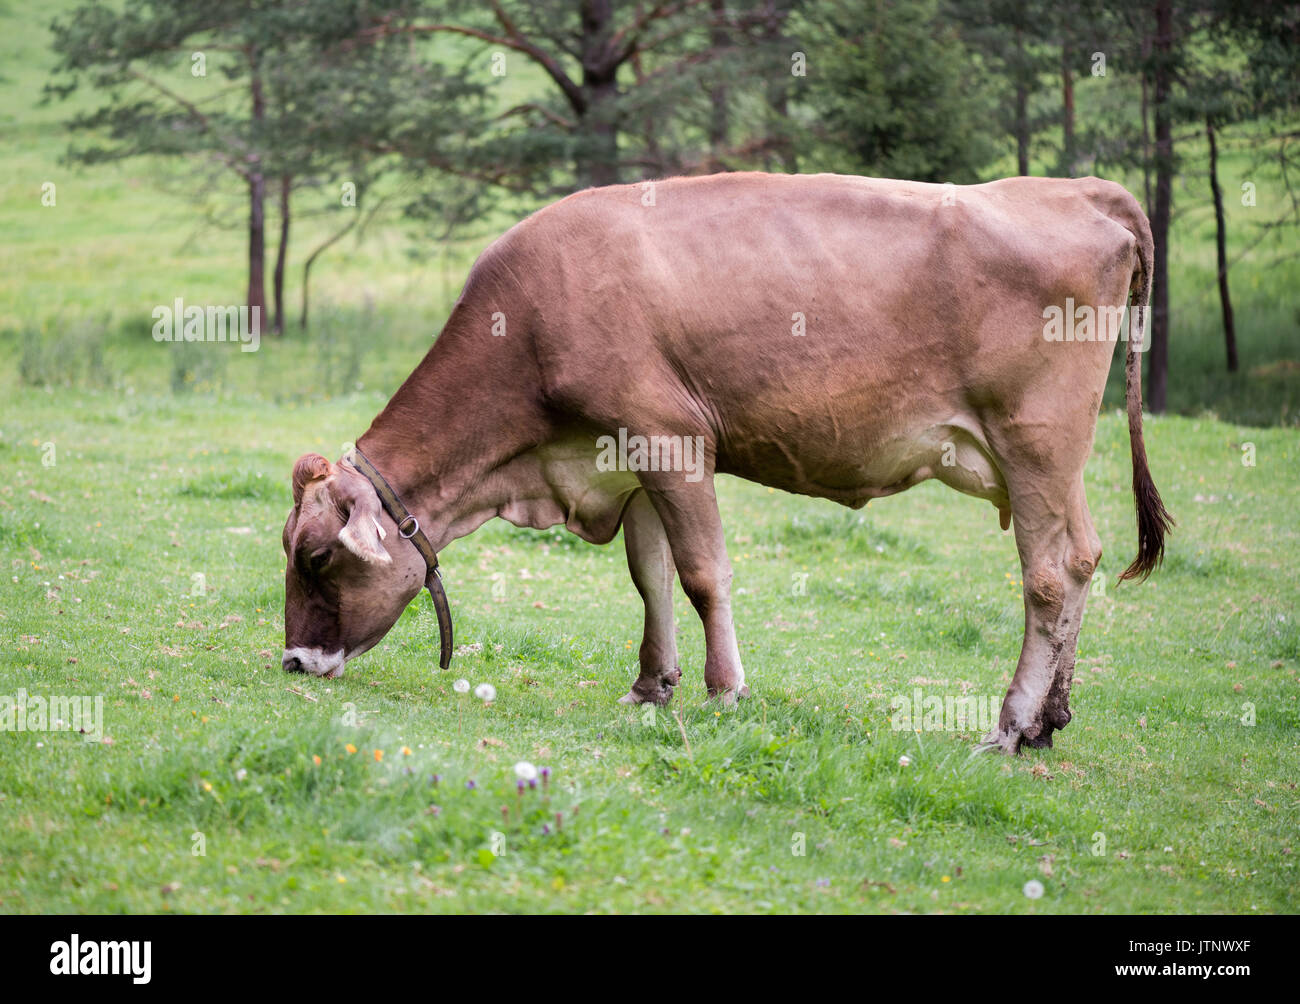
689 512
1059 550
650 560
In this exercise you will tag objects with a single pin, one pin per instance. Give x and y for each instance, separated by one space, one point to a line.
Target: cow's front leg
650 560
689 513
1059 551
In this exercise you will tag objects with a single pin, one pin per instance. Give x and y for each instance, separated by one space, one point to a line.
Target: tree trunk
1146 130
1022 107
311 260
1221 243
257 246
1022 129
1067 112
597 160
719 99
598 157
256 204
1158 368
281 254
778 90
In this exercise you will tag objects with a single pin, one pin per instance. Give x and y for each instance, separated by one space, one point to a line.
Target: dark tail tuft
1153 519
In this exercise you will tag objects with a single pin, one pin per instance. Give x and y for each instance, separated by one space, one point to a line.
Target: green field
140 522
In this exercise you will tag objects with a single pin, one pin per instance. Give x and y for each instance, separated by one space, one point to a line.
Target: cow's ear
363 533
310 466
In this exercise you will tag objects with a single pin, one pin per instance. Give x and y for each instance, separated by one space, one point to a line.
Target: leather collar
408 527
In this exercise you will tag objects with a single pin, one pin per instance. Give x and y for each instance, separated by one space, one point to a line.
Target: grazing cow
832 336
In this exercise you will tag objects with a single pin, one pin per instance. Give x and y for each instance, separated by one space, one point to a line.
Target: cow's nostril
292 664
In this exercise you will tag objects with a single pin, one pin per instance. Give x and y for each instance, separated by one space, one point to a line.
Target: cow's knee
1052 590
1045 588
706 585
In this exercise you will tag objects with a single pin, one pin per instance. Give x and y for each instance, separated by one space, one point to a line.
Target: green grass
920 591
145 566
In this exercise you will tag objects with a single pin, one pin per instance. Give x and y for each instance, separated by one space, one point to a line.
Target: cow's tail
1153 519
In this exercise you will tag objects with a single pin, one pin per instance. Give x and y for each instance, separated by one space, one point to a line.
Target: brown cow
839 337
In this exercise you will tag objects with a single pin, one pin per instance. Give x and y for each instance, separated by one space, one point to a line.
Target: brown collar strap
408 527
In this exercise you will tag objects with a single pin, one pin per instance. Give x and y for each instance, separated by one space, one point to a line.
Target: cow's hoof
1001 741
661 697
1011 741
649 690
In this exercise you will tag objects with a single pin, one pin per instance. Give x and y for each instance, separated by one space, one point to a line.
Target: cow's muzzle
313 662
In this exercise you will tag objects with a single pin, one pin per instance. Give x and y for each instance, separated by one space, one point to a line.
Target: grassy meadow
146 486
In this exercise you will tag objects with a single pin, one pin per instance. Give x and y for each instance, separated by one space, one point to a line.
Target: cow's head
343 585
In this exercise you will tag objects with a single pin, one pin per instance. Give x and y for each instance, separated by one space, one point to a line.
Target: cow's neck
445 437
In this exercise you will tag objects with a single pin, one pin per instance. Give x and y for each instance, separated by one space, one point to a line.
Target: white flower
525 771
241 774
461 686
485 692
904 761
1034 889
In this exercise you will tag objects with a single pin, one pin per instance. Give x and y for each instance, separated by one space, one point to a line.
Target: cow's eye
319 559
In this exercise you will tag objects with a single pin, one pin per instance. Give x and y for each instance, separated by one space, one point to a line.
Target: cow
833 336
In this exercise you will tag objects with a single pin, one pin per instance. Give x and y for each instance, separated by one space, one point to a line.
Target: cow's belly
853 465
571 480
